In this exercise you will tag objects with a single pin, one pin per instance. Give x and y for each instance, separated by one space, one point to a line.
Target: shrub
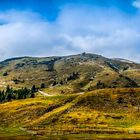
42 85
5 74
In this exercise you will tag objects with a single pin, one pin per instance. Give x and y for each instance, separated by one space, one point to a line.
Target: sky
63 27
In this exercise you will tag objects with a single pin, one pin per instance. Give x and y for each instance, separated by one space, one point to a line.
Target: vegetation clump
42 85
11 94
5 74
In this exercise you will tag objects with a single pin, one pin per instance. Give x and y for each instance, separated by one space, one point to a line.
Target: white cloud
136 4
104 31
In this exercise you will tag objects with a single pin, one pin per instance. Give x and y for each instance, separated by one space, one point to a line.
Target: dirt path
81 93
48 95
43 93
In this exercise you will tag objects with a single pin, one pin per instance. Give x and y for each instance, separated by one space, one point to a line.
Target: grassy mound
102 112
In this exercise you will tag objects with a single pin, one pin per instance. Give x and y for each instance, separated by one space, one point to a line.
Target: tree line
12 94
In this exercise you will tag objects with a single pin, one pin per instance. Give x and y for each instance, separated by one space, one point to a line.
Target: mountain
79 72
86 96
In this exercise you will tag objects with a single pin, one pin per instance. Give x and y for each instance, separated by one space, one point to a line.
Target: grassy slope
133 74
94 112
91 68
91 113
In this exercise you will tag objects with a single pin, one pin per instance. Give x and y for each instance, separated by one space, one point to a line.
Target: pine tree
33 89
61 82
42 85
1 97
54 83
8 93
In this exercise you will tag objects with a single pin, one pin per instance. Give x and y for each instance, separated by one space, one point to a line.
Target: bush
5 74
120 100
42 85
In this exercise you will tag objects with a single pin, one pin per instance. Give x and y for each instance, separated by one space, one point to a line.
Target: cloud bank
105 31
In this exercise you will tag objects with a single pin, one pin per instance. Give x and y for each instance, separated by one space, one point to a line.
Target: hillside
106 113
74 73
80 96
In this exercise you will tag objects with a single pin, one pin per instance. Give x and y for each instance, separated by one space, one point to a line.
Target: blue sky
50 8
62 27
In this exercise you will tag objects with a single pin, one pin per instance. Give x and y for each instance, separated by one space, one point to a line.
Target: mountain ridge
63 56
79 72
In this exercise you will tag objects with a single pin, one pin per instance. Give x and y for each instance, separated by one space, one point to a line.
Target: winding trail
48 95
45 94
